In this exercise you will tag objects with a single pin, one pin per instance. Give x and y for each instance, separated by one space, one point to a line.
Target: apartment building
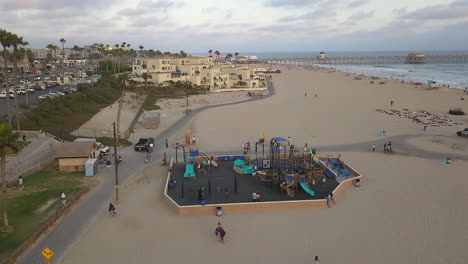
201 71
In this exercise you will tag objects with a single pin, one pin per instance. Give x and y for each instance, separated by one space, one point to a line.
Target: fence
135 119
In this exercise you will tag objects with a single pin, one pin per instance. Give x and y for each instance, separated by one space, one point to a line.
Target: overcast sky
243 25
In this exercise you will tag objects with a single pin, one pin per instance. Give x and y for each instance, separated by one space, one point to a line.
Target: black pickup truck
143 143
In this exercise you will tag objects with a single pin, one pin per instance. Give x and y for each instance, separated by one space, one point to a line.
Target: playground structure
283 173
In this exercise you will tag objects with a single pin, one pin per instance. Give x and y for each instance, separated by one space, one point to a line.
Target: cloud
357 3
328 9
290 3
145 7
454 10
358 16
50 4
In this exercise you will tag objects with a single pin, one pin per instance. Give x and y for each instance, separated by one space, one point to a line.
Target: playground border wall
255 206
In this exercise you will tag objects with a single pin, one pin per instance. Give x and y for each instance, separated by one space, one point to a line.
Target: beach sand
408 210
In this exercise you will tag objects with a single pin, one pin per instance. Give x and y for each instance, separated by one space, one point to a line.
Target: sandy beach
409 209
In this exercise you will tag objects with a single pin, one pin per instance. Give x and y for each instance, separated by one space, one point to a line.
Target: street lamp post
116 166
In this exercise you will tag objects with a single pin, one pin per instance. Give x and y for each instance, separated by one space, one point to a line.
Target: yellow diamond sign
47 253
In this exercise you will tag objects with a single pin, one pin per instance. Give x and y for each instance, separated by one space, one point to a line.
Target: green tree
7 142
183 54
217 53
6 38
76 49
210 51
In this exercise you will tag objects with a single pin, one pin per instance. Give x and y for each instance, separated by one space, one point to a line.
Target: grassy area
60 116
150 103
39 188
20 145
171 90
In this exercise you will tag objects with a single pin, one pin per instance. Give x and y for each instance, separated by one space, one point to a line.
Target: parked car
103 149
21 91
56 94
143 143
463 133
49 85
44 96
4 95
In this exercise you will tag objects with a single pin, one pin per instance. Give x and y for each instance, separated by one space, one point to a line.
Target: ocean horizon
453 75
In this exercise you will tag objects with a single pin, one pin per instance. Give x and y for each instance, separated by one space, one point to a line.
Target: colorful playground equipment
241 168
302 182
189 171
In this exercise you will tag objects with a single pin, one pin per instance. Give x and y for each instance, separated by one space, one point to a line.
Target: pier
412 58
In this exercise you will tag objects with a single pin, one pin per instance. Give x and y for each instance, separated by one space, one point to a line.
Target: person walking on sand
305 94
391 103
222 233
316 260
315 95
193 140
167 143
328 200
218 229
373 148
289 141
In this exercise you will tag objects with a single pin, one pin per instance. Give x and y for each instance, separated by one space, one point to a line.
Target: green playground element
248 169
305 187
241 168
189 171
239 163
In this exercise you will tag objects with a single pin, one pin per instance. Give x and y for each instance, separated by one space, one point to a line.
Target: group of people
188 111
388 147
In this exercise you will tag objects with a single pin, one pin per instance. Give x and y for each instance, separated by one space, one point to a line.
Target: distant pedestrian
20 182
222 233
305 94
328 200
254 197
167 143
316 260
385 147
259 197
112 210
391 103
63 199
24 137
373 148
389 146
193 140
315 95
332 198
289 141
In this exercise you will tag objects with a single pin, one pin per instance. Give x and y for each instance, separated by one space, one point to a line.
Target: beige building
201 71
72 156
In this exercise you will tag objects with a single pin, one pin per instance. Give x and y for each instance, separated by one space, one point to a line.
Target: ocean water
453 74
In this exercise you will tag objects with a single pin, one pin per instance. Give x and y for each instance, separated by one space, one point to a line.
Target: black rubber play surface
239 187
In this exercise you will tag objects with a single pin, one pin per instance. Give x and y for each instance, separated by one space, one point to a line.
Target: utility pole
116 165
187 100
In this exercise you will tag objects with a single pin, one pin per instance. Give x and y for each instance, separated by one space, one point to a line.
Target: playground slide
189 172
305 187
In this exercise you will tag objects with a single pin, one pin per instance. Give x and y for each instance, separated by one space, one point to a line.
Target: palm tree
76 49
210 51
122 79
7 142
237 55
141 50
5 40
217 53
16 56
183 54
50 47
62 40
145 77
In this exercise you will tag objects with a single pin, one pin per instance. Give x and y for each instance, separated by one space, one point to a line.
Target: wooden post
116 166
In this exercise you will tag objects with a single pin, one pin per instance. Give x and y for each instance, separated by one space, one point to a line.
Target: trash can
219 211
425 128
357 182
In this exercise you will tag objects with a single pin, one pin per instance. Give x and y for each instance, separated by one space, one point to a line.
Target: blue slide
189 172
305 187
